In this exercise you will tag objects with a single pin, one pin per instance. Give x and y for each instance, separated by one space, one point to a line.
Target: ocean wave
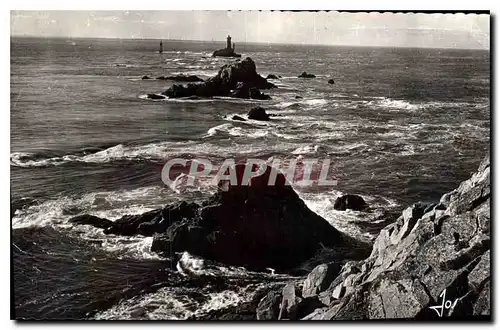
111 205
119 152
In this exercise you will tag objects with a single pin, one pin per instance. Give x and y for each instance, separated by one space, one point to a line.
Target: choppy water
399 125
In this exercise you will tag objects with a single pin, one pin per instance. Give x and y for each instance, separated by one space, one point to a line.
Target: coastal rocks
294 306
413 261
241 224
258 113
353 202
269 306
239 79
145 78
306 75
331 81
298 97
319 279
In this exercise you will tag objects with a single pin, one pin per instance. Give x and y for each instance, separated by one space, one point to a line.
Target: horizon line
244 42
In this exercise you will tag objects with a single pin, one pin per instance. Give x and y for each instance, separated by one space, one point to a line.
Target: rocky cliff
433 262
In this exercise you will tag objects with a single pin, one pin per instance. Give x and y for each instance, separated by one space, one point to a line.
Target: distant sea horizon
248 42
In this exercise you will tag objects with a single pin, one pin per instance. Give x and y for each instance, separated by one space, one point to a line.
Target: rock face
239 79
258 113
306 75
426 251
353 202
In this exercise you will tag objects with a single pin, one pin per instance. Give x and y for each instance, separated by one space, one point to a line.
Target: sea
399 125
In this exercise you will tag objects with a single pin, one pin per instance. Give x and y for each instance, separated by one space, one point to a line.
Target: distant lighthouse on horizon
161 47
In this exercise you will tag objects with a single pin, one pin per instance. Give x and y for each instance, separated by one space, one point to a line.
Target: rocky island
228 51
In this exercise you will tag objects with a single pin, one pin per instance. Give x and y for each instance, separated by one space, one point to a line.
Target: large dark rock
352 202
306 75
426 251
272 76
258 113
237 80
331 81
256 226
145 78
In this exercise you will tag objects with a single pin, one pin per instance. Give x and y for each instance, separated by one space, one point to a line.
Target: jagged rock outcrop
428 250
257 226
239 79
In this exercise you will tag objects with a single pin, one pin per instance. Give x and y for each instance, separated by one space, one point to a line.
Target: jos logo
445 305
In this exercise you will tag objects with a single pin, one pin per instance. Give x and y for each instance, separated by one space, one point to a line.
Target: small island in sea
228 51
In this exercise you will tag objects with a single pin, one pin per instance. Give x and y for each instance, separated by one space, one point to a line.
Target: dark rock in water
241 224
145 77
87 219
257 95
236 117
306 75
225 52
181 77
269 306
258 113
331 81
353 202
176 91
160 78
272 76
426 251
236 80
147 224
298 96
155 97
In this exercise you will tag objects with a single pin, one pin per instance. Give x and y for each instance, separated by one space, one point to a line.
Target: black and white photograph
246 165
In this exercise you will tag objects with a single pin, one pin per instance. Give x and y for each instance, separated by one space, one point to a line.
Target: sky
469 31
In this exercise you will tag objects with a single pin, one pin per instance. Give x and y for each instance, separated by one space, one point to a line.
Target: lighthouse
228 43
